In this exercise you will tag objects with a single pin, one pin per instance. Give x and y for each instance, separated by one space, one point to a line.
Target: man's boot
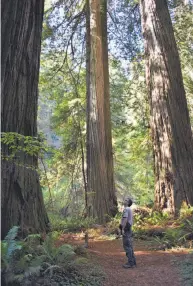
128 265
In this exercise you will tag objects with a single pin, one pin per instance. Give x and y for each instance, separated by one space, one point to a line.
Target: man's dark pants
128 247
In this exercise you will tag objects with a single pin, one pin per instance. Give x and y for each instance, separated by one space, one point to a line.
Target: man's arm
124 219
124 222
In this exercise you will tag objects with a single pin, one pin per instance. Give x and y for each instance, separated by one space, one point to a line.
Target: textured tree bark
170 123
102 199
22 200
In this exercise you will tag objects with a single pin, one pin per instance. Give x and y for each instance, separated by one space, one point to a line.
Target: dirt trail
154 268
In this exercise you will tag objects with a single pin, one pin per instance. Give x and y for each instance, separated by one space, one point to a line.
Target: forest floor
154 267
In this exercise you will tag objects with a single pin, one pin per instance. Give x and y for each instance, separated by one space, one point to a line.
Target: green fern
4 249
10 245
189 225
61 254
65 254
33 271
50 263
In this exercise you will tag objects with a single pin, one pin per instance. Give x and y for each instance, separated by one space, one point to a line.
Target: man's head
127 202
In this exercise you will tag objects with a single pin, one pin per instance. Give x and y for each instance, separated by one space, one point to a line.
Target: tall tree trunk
88 98
170 123
22 200
101 187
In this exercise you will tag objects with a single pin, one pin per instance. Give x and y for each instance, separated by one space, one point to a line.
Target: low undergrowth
70 224
28 262
165 230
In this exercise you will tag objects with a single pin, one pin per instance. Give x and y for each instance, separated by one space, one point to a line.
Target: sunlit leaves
27 144
183 27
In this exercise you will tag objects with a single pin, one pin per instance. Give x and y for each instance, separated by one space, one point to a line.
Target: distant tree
101 188
22 200
170 123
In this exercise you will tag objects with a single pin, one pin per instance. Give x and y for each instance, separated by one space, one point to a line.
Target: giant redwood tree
170 123
101 188
22 200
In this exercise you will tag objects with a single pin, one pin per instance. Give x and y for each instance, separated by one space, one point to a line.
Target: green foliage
27 144
112 226
56 255
183 28
172 237
186 212
36 261
71 224
10 245
189 225
169 239
65 95
157 218
131 140
166 231
15 145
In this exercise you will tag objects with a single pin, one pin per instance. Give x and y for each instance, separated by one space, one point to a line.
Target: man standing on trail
126 226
